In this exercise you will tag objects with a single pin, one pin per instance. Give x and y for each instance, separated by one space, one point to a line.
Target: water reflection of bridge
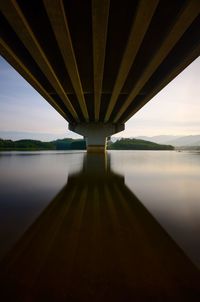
97 242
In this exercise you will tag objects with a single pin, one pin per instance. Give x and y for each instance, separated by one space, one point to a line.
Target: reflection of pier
96 242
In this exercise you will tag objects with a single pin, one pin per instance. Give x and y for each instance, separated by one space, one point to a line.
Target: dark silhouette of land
97 242
137 144
29 144
79 144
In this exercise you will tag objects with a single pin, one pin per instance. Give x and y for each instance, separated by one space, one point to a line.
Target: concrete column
96 134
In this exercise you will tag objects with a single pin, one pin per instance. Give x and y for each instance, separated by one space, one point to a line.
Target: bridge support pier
96 134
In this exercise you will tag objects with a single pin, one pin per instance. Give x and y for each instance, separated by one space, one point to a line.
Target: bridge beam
96 134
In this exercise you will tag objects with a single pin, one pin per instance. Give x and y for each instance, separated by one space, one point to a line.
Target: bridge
98 62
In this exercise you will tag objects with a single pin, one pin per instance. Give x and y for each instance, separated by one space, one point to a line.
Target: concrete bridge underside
98 62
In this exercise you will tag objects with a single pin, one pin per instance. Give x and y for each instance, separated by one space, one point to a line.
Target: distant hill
191 140
79 144
177 141
137 144
159 139
28 144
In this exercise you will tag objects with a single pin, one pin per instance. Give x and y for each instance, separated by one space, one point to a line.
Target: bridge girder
99 61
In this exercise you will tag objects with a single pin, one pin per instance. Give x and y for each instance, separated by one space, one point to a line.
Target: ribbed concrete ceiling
99 60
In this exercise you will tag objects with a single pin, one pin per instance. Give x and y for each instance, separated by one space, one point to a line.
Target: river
149 197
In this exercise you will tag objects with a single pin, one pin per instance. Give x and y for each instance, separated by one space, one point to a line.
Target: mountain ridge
174 140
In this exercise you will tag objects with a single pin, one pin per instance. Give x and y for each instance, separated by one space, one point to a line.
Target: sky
25 114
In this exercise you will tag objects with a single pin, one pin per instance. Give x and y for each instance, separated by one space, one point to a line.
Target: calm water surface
168 185
28 183
165 184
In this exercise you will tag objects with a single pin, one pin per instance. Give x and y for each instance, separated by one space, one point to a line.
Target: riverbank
79 144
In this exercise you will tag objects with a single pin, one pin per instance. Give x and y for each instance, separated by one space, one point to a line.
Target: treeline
137 144
79 144
28 144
